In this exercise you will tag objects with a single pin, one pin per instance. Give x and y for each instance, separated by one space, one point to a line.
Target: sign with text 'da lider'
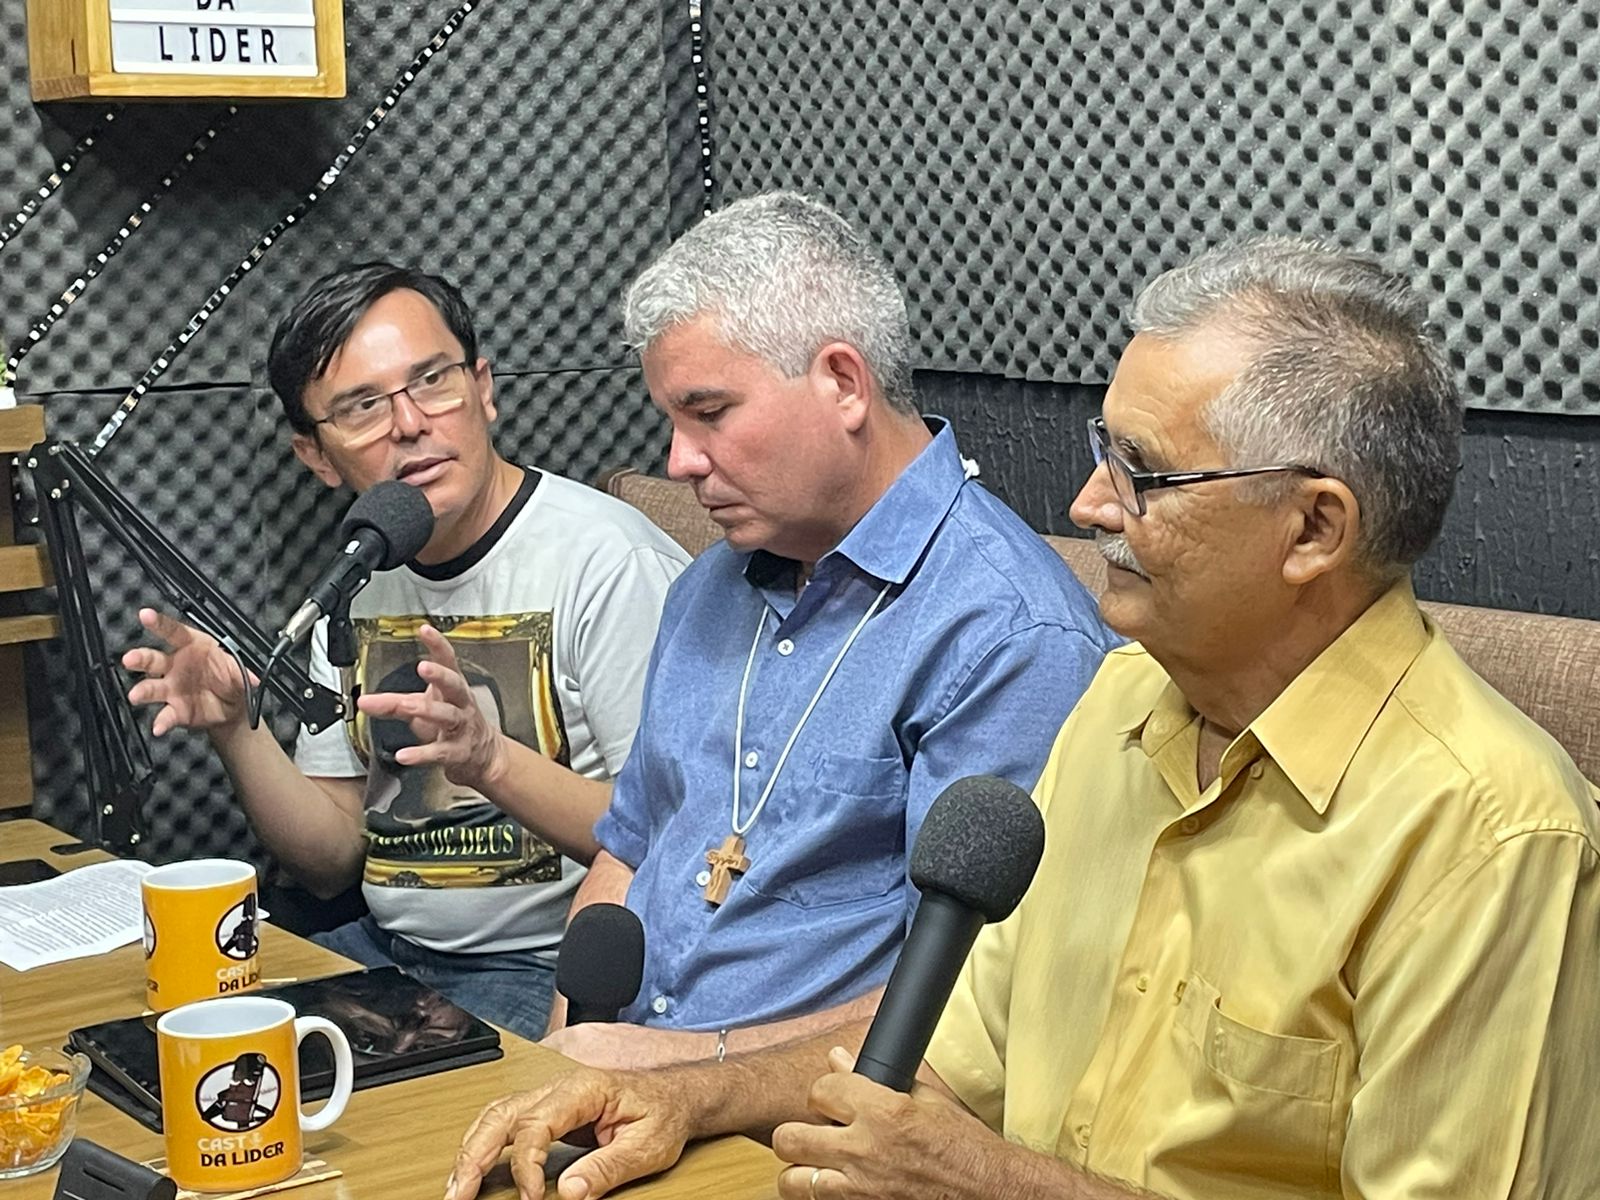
214 37
186 49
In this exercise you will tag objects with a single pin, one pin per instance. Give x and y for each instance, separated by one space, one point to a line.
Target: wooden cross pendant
725 860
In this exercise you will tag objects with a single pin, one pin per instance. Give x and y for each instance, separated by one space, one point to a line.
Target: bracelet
722 1044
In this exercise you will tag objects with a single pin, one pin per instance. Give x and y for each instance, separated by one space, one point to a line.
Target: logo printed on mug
240 1096
149 937
236 932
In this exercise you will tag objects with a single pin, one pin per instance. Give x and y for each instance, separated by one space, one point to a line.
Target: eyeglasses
1131 485
362 420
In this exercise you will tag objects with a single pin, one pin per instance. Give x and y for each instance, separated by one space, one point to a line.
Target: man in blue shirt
874 626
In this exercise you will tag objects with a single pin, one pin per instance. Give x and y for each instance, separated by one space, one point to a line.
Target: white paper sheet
84 912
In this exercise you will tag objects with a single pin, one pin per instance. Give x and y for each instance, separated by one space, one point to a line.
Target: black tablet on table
397 1028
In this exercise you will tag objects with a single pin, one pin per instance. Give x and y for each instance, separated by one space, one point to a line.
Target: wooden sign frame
69 52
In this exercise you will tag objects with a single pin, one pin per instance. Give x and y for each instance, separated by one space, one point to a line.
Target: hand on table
446 719
195 680
886 1145
638 1127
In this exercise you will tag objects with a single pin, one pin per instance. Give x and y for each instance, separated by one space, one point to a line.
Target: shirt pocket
1259 1096
842 841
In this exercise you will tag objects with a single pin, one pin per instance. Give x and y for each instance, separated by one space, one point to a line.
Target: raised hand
450 727
195 680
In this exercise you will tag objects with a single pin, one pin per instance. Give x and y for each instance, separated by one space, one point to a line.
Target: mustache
1114 549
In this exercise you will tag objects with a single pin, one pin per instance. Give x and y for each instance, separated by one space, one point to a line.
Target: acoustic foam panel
1027 167
1497 191
527 162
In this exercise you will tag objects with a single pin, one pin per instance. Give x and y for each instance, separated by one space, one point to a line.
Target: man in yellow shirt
1319 912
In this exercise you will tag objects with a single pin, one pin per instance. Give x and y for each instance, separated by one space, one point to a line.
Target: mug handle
343 1070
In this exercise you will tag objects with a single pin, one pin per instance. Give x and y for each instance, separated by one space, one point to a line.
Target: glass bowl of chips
40 1091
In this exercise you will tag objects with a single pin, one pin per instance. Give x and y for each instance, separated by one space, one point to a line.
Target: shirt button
1083 1136
1189 824
786 647
1142 983
658 1005
1255 770
752 760
705 877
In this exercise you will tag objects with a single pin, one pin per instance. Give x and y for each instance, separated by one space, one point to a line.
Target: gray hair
784 276
1344 377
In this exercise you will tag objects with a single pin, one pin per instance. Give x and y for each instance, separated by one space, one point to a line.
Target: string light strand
329 177
135 219
53 181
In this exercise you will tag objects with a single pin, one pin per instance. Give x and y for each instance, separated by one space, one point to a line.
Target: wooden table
398 1140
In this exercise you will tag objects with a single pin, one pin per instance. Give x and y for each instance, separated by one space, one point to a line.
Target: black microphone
389 524
601 963
975 856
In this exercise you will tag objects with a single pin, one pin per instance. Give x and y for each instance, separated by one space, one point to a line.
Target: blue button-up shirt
980 648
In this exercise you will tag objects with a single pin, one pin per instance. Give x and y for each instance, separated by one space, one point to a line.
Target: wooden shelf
24 567
21 428
31 628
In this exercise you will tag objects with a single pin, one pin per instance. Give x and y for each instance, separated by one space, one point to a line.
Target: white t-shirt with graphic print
552 615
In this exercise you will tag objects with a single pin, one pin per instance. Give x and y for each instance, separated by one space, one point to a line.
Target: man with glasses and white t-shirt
543 593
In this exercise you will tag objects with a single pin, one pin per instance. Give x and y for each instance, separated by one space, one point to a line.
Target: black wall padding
538 162
1028 166
1522 533
528 162
1496 130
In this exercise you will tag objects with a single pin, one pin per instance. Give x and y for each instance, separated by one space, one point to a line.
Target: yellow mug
202 930
230 1091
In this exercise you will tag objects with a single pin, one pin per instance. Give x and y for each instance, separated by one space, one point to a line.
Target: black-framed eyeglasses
362 420
1131 485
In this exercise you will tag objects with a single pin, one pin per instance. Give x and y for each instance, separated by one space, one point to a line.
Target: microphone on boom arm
388 525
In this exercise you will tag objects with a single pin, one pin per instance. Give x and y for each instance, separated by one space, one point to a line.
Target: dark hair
320 323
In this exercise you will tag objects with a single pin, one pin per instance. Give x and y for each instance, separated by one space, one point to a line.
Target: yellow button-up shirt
1364 962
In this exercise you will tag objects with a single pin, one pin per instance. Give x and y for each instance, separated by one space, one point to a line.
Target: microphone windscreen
980 845
397 512
601 963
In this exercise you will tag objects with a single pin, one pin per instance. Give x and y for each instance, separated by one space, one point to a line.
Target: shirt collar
1156 724
889 541
1314 728
1316 725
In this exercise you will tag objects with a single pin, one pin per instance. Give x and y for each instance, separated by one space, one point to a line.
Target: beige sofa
1547 666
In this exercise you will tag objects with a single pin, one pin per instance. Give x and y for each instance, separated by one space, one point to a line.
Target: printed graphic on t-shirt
424 831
